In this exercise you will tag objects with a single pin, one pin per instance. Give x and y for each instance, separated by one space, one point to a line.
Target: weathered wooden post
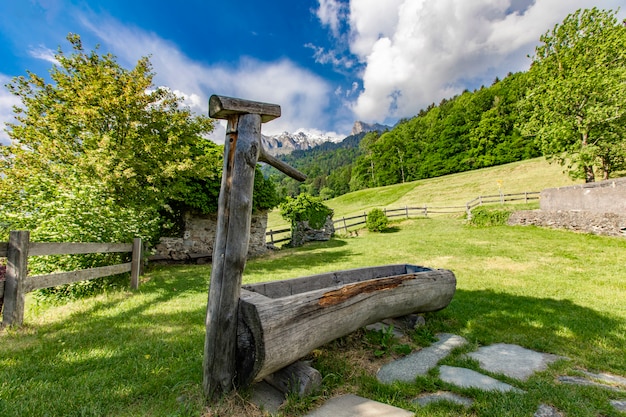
17 266
242 151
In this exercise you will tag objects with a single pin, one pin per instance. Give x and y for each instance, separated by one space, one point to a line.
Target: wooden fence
345 223
17 282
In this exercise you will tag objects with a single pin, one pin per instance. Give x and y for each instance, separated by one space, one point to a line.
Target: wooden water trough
282 321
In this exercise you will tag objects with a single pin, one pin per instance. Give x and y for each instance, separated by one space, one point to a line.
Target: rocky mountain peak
361 127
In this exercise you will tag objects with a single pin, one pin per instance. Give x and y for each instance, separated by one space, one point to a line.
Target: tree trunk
282 321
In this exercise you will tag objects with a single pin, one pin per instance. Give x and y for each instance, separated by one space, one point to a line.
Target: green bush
483 216
307 208
377 221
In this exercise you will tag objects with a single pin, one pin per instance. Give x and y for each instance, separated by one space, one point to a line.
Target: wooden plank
277 332
241 151
1 289
222 107
15 277
65 248
135 268
4 246
329 280
297 378
60 278
281 166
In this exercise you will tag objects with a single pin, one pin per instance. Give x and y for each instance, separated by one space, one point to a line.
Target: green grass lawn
140 353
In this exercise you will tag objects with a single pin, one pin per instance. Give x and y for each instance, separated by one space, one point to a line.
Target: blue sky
326 62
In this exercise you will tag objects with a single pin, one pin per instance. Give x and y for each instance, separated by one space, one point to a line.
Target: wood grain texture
17 269
222 107
63 248
298 378
52 280
281 330
241 152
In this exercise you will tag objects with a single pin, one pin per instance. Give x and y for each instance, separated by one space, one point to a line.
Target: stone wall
596 197
305 233
598 208
197 241
609 224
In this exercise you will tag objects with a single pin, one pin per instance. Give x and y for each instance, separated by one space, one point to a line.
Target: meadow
130 353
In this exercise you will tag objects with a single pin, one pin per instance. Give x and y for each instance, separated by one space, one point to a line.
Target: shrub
483 216
307 208
376 220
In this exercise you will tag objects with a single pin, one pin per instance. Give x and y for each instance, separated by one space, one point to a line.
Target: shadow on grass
560 327
110 358
141 353
391 229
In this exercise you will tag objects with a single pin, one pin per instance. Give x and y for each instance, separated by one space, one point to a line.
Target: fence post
425 211
17 265
345 227
135 266
406 209
525 196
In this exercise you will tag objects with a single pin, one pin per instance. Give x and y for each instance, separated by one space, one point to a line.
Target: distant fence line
17 282
346 223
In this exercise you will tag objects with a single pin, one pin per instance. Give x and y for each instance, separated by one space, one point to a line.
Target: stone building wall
198 239
608 224
598 208
597 197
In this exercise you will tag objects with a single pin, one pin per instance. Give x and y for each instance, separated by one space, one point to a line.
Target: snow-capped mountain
302 139
286 142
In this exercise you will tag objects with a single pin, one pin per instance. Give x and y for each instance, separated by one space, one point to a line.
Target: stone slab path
466 378
510 360
354 406
419 363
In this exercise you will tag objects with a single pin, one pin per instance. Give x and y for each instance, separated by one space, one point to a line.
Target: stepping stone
512 360
547 411
578 380
354 406
466 378
619 405
266 397
419 363
606 378
442 396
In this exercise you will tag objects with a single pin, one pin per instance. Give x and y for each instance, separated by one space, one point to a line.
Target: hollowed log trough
282 321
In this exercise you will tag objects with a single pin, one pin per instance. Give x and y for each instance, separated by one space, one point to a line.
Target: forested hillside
470 131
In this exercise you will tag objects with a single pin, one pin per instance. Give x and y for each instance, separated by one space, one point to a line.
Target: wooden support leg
298 378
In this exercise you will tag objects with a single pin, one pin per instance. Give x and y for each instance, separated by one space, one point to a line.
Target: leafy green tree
98 154
578 90
106 124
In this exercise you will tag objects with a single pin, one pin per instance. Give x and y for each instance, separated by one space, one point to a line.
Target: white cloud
7 101
419 51
43 53
331 13
302 95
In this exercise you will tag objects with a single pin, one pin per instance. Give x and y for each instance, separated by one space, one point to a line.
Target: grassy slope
140 353
450 190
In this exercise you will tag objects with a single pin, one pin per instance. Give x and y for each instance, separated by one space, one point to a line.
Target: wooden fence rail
345 223
17 282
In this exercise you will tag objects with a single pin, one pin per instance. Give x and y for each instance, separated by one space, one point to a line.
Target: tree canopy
99 153
575 106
